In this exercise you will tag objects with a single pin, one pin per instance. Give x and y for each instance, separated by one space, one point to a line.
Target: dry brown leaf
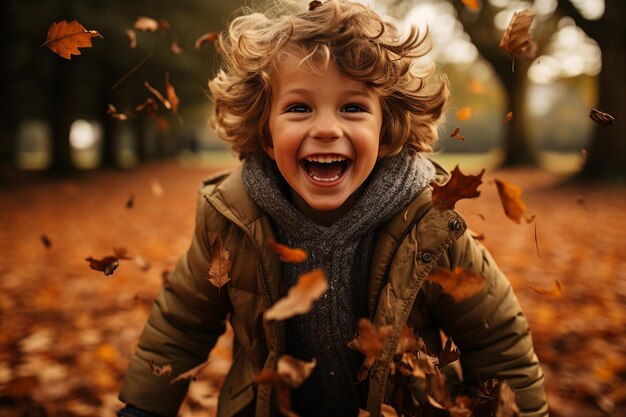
455 134
146 24
464 113
108 264
459 283
448 354
112 111
408 341
46 241
175 47
131 35
508 117
458 187
191 374
388 411
300 297
314 5
160 371
158 95
150 107
507 401
369 341
472 5
287 254
65 38
516 41
555 291
219 264
510 196
172 98
206 38
601 118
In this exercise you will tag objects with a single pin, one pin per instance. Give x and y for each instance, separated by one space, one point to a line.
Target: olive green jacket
189 314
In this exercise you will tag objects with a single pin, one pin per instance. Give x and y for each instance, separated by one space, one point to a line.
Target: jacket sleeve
490 328
186 319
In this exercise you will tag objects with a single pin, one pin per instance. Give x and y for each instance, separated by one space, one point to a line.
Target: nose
326 126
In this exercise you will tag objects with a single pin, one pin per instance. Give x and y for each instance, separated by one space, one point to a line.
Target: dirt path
66 332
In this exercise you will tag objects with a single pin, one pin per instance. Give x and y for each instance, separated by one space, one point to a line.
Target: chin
318 205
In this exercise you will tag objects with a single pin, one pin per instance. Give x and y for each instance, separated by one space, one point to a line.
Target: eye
297 108
353 108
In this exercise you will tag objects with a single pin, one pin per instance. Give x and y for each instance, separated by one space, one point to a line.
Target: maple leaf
220 264
46 241
516 40
191 374
455 134
601 118
300 297
131 35
108 264
472 5
447 354
160 371
508 117
510 196
370 341
465 113
65 38
458 187
287 254
206 38
555 291
459 283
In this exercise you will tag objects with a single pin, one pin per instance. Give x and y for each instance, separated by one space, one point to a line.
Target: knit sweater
343 251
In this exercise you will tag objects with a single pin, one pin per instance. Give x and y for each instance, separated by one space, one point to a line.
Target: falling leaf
175 47
458 187
150 107
146 24
370 341
65 38
516 40
388 411
314 5
165 25
472 5
555 291
476 87
130 202
46 241
172 98
158 95
206 38
300 297
160 371
131 35
508 117
408 341
465 113
287 254
459 283
220 263
455 134
108 264
191 374
510 196
601 118
112 111
448 354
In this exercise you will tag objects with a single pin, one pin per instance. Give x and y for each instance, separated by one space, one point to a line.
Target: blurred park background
76 182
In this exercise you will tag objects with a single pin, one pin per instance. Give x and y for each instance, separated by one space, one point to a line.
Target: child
330 110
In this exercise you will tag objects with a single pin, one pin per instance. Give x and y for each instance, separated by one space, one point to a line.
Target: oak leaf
65 38
370 341
219 264
510 196
458 187
206 38
464 113
300 297
555 291
459 283
601 118
160 371
516 41
287 254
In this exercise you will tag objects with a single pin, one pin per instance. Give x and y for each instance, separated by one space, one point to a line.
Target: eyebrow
347 92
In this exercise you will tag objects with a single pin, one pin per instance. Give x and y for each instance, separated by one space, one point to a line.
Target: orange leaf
476 87
206 38
555 291
458 187
147 24
508 117
220 264
65 38
300 297
472 5
510 196
172 98
370 341
287 254
459 283
158 95
464 113
516 40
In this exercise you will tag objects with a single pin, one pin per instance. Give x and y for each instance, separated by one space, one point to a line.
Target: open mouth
325 168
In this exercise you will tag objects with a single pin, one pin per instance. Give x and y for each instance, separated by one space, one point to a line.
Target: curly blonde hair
361 43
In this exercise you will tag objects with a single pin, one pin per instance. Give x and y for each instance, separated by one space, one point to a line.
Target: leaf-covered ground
66 331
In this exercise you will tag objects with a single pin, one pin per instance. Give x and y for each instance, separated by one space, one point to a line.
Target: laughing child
331 110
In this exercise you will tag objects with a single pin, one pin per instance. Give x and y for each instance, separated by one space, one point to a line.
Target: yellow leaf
510 196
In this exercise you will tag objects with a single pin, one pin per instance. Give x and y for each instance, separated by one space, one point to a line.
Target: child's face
325 132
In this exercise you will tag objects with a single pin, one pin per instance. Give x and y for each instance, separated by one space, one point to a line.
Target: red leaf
458 187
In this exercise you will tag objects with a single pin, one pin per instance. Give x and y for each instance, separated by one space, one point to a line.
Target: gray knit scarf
343 251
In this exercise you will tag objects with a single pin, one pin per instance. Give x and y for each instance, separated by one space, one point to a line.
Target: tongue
325 170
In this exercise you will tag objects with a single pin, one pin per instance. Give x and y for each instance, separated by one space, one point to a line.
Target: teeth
316 178
326 159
